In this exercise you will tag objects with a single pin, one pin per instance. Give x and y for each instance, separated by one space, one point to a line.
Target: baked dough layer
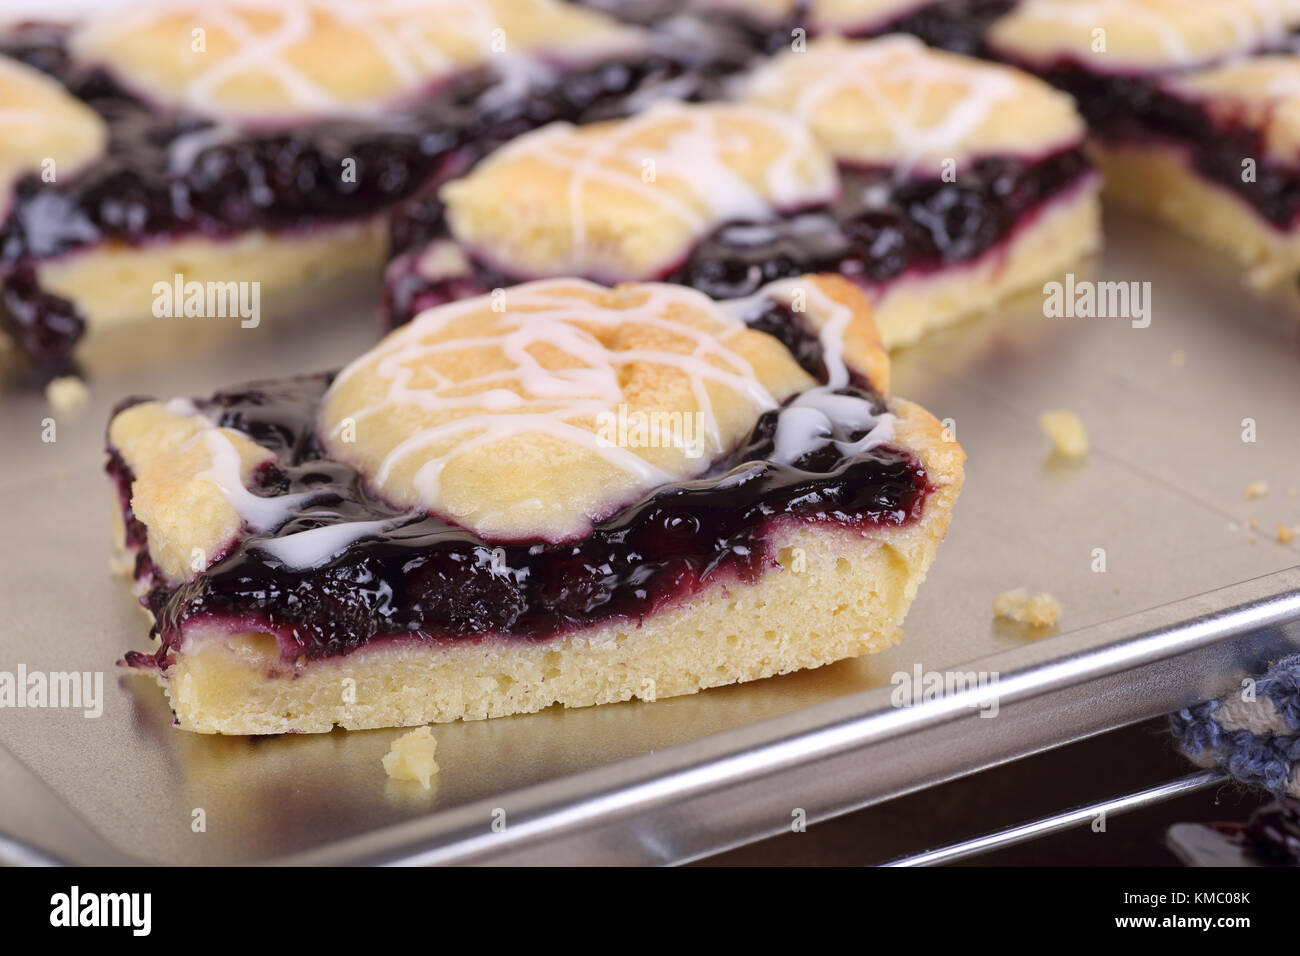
113 282
844 594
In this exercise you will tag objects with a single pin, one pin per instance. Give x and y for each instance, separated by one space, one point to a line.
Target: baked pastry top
43 130
1116 36
490 411
895 102
629 198
295 58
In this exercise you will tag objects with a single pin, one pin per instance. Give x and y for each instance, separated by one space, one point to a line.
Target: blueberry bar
252 142
939 183
560 493
1192 118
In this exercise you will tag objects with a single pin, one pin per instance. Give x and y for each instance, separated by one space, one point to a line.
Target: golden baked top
895 102
533 413
627 199
42 129
246 59
1261 92
1112 36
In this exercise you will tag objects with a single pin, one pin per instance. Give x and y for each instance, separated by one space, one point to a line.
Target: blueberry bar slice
563 493
244 142
939 183
1191 120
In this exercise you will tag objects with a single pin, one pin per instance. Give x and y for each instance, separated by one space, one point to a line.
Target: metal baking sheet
1192 595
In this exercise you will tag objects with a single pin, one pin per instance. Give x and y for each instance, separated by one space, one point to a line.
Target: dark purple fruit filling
170 175
956 25
882 227
425 578
1135 109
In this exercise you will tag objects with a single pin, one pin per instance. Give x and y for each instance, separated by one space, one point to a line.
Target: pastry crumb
1256 489
1284 534
1040 610
1178 359
1254 523
67 394
1069 437
411 757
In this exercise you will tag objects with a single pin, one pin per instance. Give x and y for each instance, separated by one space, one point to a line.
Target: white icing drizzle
545 313
805 424
310 549
260 513
695 155
401 31
866 67
1251 22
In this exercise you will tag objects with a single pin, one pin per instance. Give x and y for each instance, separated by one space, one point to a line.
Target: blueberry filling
424 578
1135 109
166 175
882 227
957 25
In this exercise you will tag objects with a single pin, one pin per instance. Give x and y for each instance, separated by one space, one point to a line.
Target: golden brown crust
502 411
627 199
895 102
246 59
42 129
176 494
1116 36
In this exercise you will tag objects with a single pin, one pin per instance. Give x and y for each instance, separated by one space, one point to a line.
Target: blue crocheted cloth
1253 734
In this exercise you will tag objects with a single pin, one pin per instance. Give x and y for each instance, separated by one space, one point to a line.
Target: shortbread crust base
1062 233
114 283
1157 180
845 595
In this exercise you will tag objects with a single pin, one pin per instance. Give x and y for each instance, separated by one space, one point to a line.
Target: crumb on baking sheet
411 757
1069 437
67 394
1256 489
1178 359
1254 522
1284 534
1039 610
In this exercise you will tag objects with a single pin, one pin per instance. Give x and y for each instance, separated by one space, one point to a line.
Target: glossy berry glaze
166 176
1271 835
1124 109
426 579
883 227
